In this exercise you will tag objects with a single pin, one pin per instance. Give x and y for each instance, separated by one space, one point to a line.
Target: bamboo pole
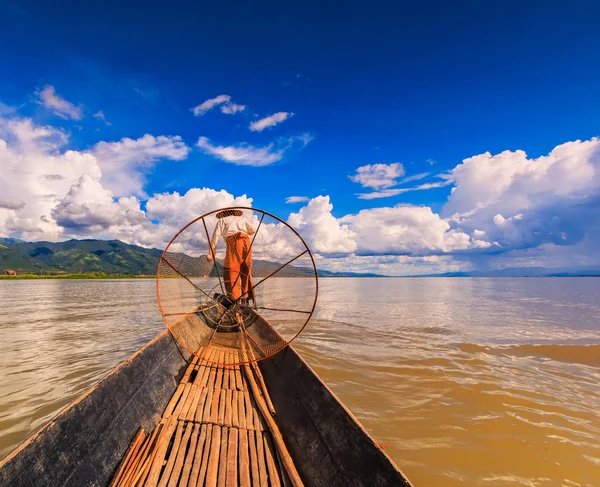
285 479
131 449
148 447
262 465
277 437
133 464
145 470
263 387
273 473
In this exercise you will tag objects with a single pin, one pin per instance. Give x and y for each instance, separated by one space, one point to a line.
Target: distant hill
77 256
116 257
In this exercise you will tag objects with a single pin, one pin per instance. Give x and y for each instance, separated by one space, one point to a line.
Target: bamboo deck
211 434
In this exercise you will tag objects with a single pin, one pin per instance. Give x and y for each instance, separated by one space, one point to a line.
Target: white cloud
100 116
378 176
523 203
232 108
505 210
242 154
296 199
404 229
270 121
385 193
124 163
324 233
49 192
11 203
222 101
59 106
249 155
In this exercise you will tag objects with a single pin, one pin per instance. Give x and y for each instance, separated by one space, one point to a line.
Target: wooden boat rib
161 418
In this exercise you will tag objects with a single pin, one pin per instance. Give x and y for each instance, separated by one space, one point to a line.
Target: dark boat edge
83 443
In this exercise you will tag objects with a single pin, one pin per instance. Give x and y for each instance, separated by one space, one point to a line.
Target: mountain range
116 257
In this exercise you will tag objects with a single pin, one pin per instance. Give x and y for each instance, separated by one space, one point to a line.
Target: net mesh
239 279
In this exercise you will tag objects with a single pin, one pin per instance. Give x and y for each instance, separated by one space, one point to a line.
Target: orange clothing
238 267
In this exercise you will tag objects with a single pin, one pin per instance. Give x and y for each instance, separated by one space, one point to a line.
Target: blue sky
423 86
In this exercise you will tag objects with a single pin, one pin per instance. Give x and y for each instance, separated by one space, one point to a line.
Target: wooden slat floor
210 434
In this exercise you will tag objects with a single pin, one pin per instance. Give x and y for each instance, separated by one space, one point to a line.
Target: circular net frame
233 298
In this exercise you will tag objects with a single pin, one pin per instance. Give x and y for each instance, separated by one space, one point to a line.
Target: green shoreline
91 275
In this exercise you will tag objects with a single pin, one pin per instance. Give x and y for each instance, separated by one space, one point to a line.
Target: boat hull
83 445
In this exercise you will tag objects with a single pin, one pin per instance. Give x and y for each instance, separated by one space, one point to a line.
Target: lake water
470 382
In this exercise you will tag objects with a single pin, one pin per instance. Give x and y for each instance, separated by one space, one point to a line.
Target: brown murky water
490 382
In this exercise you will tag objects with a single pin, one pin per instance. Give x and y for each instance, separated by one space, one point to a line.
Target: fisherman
235 229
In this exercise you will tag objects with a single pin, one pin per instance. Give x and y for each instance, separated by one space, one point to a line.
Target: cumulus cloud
270 121
522 202
223 101
125 162
49 192
59 106
325 234
100 116
404 230
378 176
296 199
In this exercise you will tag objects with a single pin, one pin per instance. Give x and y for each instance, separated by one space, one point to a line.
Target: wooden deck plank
194 404
164 478
182 400
180 456
207 406
235 418
171 406
201 458
249 412
213 459
191 454
244 459
228 413
157 462
222 404
232 456
242 409
186 405
201 405
223 458
254 469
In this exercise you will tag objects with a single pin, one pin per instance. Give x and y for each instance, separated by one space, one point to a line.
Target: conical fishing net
239 280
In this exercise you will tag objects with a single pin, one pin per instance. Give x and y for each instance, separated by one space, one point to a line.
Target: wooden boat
96 441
